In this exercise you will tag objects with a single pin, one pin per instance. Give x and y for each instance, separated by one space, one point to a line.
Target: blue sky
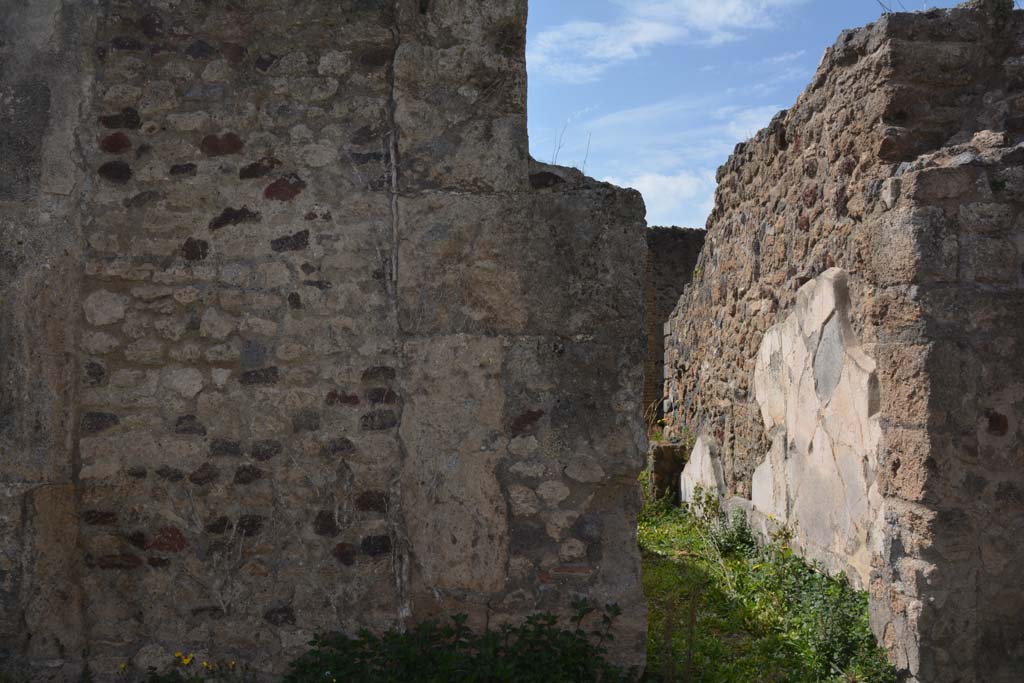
662 90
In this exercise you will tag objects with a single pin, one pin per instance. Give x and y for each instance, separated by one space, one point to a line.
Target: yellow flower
124 666
187 660
178 655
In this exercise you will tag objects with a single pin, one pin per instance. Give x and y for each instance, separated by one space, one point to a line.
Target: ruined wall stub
671 257
296 337
898 175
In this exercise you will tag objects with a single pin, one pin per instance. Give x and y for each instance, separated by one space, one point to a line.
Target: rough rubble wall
41 89
305 353
899 166
671 257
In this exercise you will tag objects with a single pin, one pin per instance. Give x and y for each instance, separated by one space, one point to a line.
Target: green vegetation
723 610
538 651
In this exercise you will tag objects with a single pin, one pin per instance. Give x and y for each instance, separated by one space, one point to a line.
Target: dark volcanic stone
116 143
339 447
306 420
253 355
189 424
375 546
381 395
122 561
233 52
195 250
137 538
322 285
137 472
168 539
998 424
207 612
294 301
265 62
221 145
340 398
372 501
207 473
93 423
151 25
188 169
545 179
219 525
265 450
375 58
126 43
296 242
526 423
345 553
259 169
127 119
378 420
169 473
230 216
250 525
247 474
141 199
325 524
225 448
201 49
99 517
95 373
280 616
269 375
117 172
285 189
381 373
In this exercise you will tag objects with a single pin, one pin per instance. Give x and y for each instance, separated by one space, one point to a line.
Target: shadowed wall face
671 257
882 423
305 340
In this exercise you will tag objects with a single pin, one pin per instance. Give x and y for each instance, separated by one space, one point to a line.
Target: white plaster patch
703 470
817 391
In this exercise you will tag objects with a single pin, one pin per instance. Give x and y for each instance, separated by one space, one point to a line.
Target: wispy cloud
670 196
675 168
581 51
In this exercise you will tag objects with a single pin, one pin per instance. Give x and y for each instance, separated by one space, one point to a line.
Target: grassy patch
723 610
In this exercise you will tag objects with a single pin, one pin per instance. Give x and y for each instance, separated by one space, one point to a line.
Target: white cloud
581 51
740 123
685 196
785 57
674 169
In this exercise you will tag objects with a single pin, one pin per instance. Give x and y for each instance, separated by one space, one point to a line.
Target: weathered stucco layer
901 167
296 336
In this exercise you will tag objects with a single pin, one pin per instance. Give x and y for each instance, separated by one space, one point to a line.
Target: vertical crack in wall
402 552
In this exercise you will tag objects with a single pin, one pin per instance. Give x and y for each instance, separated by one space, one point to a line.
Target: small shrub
535 651
760 612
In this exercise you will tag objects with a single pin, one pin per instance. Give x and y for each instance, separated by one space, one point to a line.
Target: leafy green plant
759 611
537 650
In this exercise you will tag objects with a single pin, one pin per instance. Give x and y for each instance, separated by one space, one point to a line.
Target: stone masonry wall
671 257
297 338
870 238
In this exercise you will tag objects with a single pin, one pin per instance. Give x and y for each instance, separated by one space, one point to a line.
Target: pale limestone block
703 470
